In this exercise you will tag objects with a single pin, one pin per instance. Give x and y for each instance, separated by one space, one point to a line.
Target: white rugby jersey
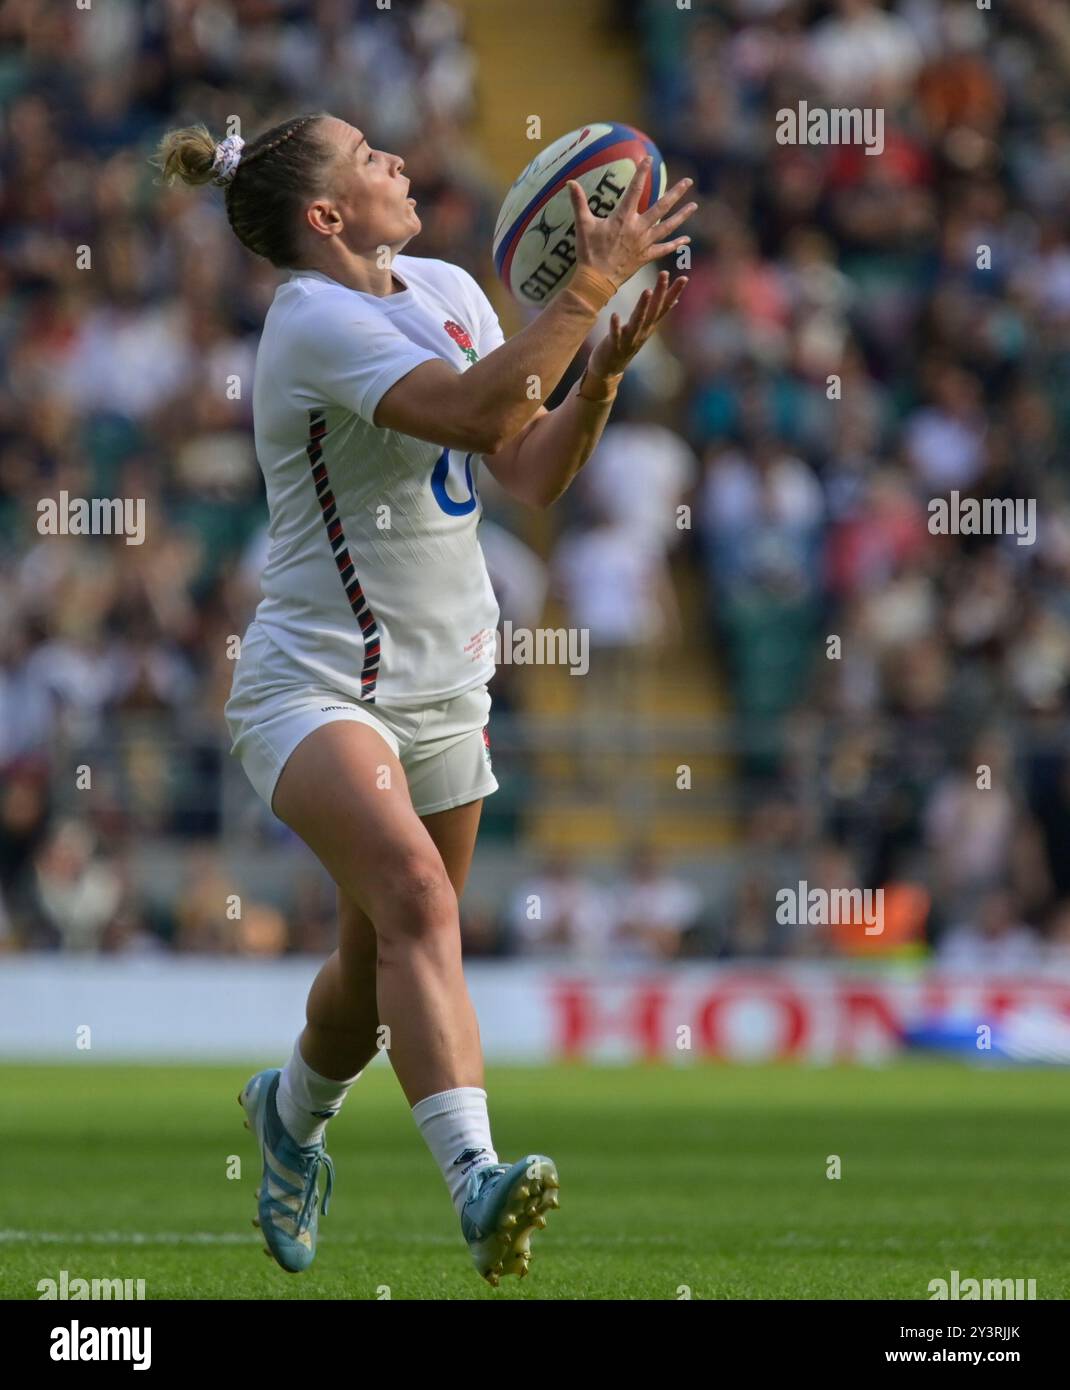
375 582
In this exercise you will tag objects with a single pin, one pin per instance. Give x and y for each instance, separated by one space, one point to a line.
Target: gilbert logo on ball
535 235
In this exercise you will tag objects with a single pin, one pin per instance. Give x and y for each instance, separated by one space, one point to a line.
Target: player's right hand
623 242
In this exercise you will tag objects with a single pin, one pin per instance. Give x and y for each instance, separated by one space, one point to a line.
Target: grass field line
124 1238
235 1238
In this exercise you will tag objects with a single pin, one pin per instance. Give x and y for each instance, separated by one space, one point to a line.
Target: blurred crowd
860 336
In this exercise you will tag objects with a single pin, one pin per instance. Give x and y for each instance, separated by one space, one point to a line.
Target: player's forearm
557 445
511 383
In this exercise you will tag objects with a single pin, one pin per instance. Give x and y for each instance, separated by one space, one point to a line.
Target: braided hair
275 176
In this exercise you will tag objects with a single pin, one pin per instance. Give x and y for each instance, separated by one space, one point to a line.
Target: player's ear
323 217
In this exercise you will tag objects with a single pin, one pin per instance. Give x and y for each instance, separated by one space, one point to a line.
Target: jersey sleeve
351 354
488 330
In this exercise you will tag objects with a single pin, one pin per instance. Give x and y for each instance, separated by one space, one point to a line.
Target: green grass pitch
708 1177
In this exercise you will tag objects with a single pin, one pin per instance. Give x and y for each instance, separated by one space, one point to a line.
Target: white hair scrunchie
227 156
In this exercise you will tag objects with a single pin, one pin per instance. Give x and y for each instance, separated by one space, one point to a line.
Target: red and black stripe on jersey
369 674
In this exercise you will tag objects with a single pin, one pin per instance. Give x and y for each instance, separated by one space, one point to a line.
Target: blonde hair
187 154
277 174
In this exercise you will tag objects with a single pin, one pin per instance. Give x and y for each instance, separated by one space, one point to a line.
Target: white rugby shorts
444 747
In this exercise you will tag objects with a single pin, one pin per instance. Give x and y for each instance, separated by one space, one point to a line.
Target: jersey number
438 486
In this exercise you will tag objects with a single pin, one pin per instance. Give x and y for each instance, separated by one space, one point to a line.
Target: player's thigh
361 825
454 833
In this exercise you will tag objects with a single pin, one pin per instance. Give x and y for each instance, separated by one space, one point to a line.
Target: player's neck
358 272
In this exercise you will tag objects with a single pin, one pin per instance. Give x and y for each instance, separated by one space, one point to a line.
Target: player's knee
419 898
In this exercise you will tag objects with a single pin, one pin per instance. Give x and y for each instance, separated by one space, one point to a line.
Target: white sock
457 1129
306 1100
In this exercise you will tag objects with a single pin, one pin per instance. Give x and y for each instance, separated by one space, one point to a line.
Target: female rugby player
359 706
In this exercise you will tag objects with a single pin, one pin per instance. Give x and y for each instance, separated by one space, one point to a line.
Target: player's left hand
621 343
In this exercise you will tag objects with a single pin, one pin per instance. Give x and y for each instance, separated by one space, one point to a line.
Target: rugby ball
535 235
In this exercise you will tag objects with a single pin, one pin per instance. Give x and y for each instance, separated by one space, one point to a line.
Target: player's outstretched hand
618 245
613 353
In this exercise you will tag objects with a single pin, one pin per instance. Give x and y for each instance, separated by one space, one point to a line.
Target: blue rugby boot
503 1206
288 1194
